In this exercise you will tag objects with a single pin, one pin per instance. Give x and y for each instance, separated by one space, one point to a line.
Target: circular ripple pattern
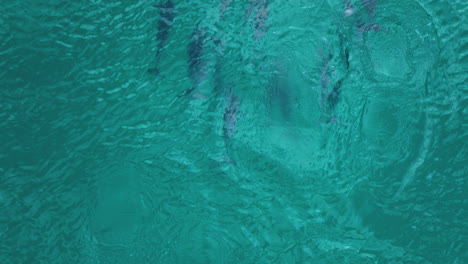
233 131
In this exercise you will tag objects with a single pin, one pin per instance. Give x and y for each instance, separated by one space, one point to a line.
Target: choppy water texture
260 131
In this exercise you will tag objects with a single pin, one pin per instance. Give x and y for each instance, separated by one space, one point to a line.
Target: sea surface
255 131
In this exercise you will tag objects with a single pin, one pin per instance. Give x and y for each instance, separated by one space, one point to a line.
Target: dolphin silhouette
223 7
261 16
166 18
230 116
197 64
330 97
370 6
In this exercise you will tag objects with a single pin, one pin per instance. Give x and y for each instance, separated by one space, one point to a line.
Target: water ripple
346 139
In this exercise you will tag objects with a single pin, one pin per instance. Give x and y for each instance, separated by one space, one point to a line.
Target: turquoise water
233 131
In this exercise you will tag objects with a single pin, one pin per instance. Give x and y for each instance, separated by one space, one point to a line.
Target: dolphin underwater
330 97
223 7
370 6
166 18
197 65
348 8
253 5
279 91
259 22
230 116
